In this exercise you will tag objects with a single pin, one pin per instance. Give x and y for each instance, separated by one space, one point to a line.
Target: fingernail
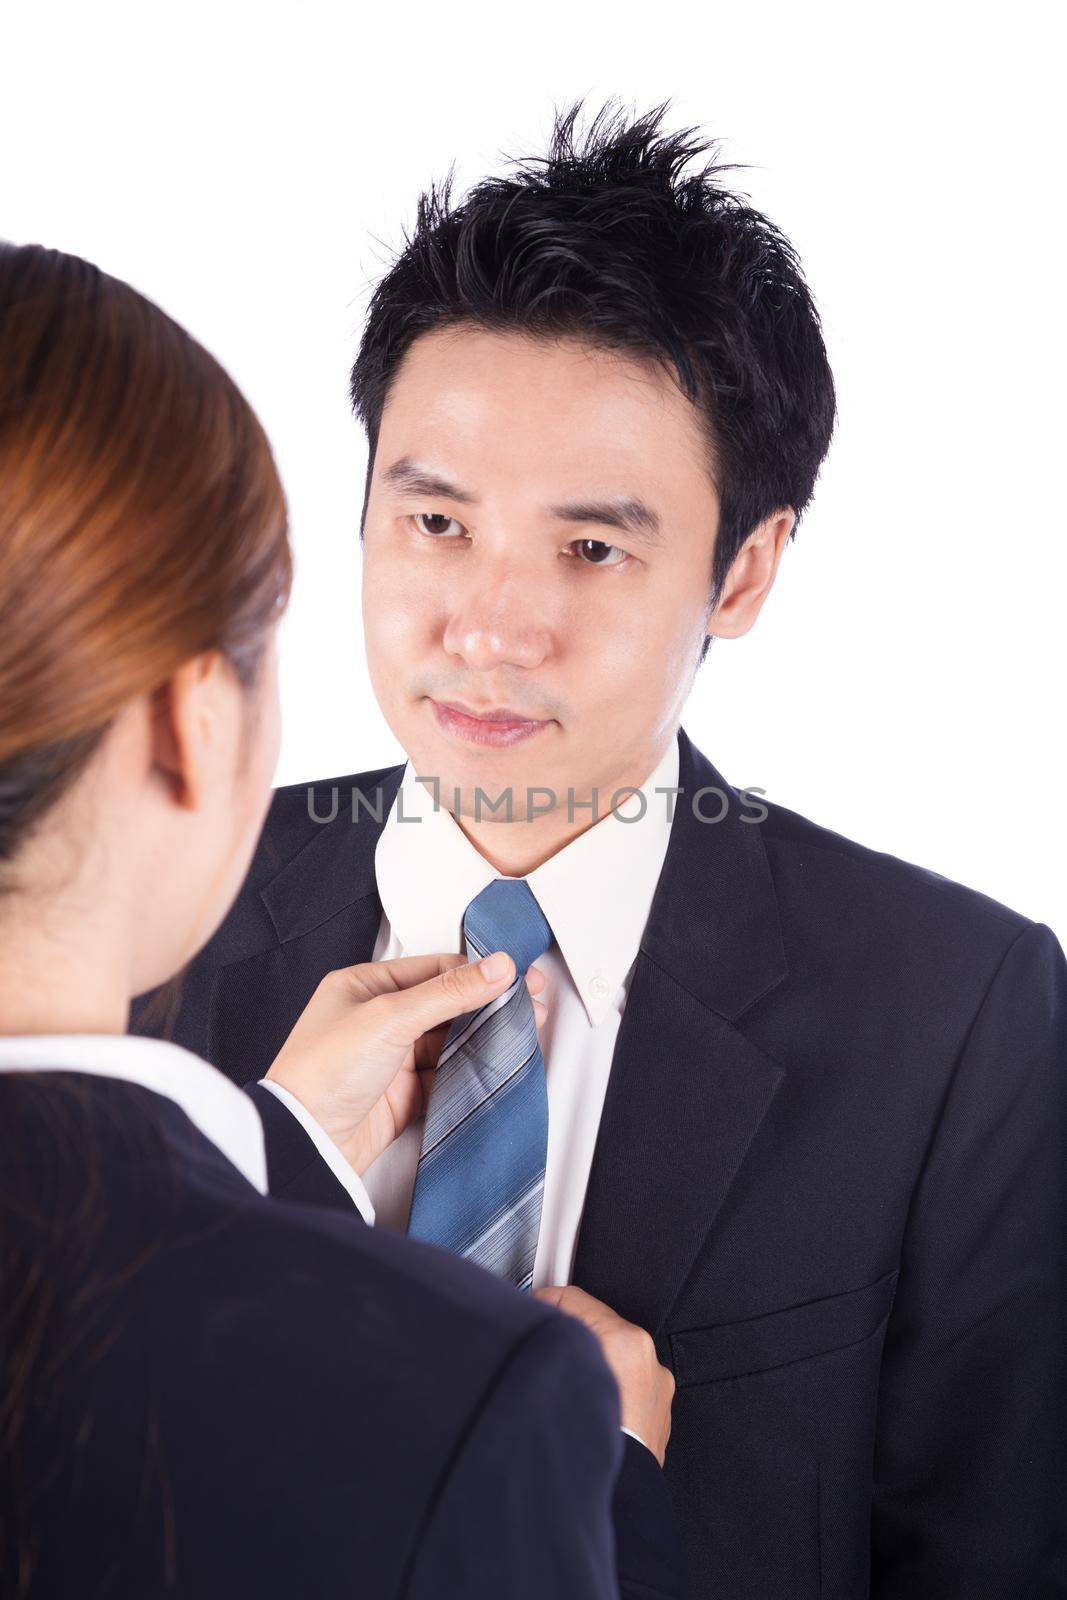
494 966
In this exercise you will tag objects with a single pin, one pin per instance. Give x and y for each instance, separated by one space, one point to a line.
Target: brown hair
142 520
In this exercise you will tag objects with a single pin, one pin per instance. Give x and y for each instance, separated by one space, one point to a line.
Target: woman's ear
189 715
751 577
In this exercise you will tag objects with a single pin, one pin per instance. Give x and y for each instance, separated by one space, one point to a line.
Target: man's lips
503 714
492 727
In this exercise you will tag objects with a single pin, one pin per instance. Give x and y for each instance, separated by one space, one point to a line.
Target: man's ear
186 714
750 578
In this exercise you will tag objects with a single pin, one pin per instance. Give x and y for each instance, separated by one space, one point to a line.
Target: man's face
538 541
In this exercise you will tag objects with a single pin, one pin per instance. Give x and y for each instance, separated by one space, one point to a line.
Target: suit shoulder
815 860
406 1306
435 1362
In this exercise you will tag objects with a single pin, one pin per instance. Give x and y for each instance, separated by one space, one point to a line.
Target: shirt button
598 987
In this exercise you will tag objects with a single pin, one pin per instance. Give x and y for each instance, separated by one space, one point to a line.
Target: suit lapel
335 869
687 1090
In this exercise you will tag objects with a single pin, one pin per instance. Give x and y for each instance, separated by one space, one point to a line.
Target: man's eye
595 553
437 525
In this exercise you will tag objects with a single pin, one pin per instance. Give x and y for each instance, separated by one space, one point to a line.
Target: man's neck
516 849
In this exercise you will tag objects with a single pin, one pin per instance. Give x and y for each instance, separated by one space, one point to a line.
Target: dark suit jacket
239 1396
829 1179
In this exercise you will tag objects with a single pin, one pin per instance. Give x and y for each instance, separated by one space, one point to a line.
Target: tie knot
506 916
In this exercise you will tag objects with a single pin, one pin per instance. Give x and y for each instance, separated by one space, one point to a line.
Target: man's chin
482 787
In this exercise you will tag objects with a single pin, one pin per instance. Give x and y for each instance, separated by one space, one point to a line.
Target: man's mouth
491 726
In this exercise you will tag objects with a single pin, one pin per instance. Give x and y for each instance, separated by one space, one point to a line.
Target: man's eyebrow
625 512
410 478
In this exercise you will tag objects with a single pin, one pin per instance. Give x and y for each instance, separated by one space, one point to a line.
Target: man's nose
500 619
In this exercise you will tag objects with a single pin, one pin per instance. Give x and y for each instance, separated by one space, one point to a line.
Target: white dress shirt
221 1111
595 893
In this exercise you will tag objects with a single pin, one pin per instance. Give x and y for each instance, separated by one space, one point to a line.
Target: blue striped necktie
481 1173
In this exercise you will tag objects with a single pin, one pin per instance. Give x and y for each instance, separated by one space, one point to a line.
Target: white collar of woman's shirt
595 892
212 1103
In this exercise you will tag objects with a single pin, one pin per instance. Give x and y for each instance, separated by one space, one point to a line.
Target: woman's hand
362 1054
646 1388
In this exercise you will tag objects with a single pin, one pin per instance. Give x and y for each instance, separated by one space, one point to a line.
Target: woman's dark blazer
230 1394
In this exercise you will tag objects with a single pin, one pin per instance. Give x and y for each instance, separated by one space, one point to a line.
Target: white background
251 167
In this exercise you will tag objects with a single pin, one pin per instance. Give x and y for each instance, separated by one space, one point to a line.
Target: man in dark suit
805 1101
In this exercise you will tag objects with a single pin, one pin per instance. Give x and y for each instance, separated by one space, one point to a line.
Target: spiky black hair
610 238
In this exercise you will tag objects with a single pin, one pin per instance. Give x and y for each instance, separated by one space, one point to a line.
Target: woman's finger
369 978
428 1048
400 1018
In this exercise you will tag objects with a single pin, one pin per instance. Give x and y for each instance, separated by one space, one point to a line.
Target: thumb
552 1294
409 1013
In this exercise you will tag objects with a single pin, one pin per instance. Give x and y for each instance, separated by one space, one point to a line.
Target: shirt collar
212 1103
595 892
